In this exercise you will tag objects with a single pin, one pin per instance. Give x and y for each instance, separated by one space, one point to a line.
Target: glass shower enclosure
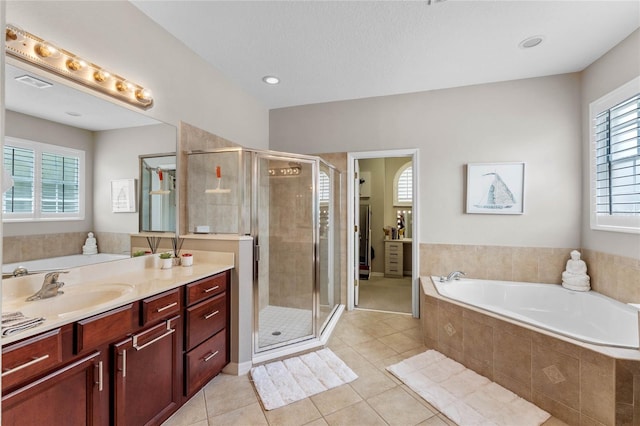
290 205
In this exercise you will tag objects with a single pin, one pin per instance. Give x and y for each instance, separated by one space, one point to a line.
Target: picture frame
495 188
123 196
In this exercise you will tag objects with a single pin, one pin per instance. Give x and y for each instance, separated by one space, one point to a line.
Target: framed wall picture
495 188
123 196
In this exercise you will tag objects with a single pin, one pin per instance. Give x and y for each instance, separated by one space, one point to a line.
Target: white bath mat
282 382
464 396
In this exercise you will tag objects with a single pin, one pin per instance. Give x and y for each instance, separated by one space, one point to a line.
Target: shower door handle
256 252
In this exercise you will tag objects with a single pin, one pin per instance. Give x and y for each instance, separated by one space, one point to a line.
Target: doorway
383 248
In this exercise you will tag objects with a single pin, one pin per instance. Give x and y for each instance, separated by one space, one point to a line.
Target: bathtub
62 262
585 316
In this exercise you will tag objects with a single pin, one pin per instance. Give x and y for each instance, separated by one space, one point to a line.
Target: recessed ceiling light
270 79
530 42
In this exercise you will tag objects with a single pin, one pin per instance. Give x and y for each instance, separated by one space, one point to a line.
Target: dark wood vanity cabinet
207 334
133 365
147 374
69 395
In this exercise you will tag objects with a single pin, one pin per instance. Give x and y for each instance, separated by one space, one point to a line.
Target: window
48 182
615 165
324 189
403 186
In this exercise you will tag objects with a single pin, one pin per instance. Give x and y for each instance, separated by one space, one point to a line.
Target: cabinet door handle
100 377
210 289
124 363
208 357
164 308
34 361
151 342
211 314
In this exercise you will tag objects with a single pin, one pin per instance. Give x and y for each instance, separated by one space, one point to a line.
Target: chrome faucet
455 275
50 286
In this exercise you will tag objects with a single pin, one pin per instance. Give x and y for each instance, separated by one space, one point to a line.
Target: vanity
156 339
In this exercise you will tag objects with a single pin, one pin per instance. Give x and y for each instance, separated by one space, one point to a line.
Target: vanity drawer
205 319
205 361
160 306
30 357
207 287
104 328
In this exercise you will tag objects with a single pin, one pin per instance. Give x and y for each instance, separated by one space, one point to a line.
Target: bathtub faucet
50 286
455 275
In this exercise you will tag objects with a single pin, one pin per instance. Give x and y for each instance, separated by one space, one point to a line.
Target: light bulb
101 75
124 86
143 95
74 64
45 50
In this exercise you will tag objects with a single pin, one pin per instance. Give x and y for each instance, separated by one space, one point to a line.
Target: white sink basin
75 299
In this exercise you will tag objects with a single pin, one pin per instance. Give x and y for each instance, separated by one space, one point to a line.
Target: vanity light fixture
285 171
33 50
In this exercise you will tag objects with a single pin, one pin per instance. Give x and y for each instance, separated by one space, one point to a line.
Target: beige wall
38 130
620 65
117 154
534 120
117 36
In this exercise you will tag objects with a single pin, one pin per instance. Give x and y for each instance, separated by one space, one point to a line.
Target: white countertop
140 276
400 240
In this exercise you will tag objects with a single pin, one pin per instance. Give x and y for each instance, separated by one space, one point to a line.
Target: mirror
158 193
113 136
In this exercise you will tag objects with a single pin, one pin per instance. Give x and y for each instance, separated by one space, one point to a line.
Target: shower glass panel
290 205
286 238
328 266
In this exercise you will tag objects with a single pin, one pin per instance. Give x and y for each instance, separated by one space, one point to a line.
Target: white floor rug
464 396
282 382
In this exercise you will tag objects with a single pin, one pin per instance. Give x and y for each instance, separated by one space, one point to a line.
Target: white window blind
324 190
617 136
48 182
20 163
60 183
404 186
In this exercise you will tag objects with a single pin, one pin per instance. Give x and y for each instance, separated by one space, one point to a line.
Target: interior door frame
415 246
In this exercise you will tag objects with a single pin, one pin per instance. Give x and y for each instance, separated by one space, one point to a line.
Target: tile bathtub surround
575 384
30 247
613 276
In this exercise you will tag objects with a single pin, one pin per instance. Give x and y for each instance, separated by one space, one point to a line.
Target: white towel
15 322
464 396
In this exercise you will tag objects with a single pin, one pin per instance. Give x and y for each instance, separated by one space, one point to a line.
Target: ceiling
336 50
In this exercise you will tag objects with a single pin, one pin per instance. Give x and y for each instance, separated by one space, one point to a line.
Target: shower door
285 232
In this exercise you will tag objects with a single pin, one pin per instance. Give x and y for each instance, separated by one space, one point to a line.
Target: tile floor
367 341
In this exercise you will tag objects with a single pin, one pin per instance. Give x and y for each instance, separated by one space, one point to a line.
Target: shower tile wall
615 276
290 241
191 139
219 211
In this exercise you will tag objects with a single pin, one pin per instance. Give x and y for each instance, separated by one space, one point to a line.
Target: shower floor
286 323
